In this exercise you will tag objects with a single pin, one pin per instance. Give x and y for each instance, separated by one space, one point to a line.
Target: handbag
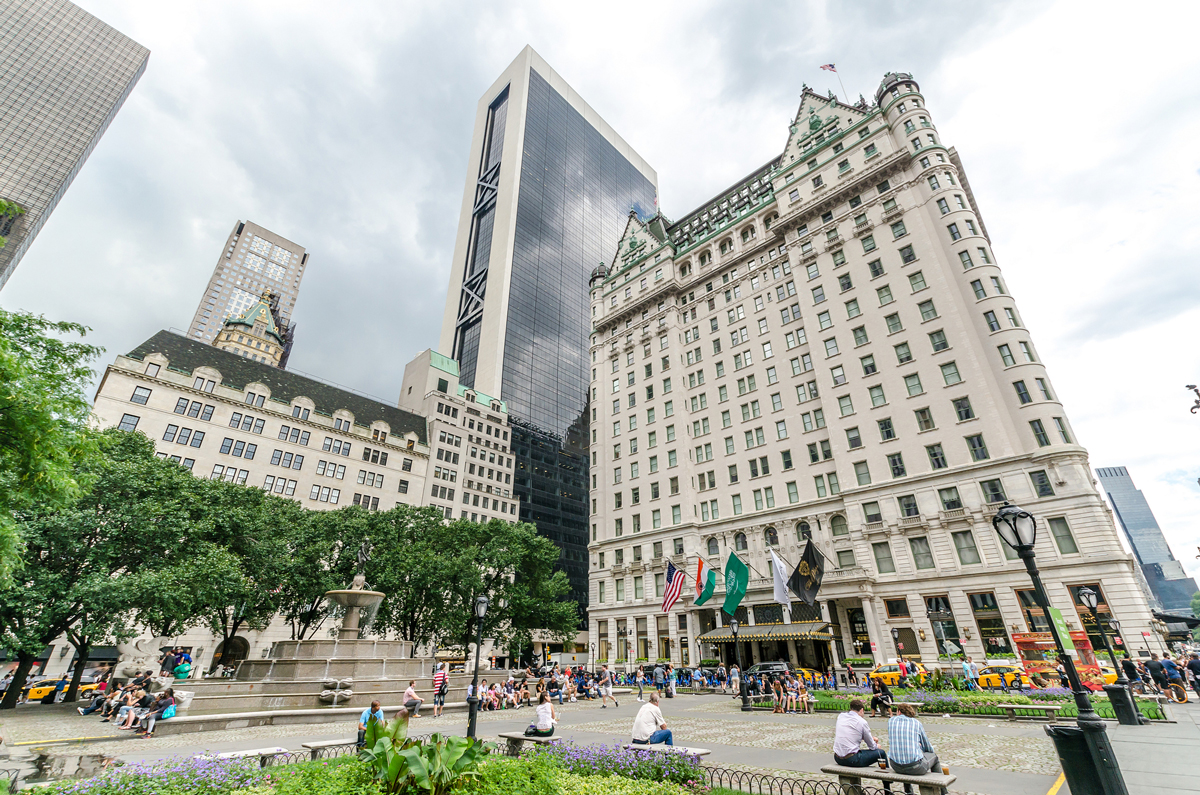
169 712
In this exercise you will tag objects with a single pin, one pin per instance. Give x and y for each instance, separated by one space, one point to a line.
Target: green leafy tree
43 420
322 553
8 210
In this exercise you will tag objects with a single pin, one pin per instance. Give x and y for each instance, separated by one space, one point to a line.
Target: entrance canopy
812 630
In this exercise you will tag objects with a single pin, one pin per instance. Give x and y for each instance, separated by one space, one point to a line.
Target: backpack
444 687
169 712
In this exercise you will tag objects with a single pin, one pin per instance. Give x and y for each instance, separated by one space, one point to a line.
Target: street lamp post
896 641
1100 773
1119 694
481 606
742 690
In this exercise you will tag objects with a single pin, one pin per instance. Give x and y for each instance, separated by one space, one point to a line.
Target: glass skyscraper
63 76
549 190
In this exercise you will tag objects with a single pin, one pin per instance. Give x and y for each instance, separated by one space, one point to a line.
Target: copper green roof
260 311
185 355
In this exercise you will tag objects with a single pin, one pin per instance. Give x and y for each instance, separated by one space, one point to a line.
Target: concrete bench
315 747
1050 711
517 740
674 749
850 779
259 752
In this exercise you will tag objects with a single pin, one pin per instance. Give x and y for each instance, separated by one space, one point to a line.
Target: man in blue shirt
909 749
373 712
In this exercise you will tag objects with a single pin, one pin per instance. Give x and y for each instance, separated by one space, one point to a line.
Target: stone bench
316 747
672 749
850 779
517 740
259 752
1049 711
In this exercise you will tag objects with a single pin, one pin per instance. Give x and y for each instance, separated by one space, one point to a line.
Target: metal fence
767 784
14 778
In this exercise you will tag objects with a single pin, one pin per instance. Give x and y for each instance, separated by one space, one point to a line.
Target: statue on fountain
356 598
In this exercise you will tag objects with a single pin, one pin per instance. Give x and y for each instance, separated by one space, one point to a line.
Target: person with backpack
441 686
722 677
658 678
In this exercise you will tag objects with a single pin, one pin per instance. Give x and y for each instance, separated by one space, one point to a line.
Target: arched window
770 219
726 246
771 537
712 547
838 525
739 542
749 233
803 532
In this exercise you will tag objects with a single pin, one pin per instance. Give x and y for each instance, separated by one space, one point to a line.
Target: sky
347 128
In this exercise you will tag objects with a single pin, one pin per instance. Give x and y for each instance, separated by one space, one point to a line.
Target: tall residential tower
255 261
829 350
548 187
63 76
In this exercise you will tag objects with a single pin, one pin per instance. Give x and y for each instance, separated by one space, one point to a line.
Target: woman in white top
544 725
734 680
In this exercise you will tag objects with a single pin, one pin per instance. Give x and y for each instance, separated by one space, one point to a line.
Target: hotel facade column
874 629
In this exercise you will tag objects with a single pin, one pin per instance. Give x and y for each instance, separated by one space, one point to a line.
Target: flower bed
981 703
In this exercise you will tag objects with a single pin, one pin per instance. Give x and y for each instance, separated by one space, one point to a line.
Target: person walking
722 678
851 676
909 749
672 680
658 678
441 686
851 732
1157 671
966 669
640 679
606 688
902 667
545 718
972 673
650 727
735 680
1131 670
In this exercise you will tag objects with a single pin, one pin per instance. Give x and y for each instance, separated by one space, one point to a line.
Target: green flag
737 577
710 585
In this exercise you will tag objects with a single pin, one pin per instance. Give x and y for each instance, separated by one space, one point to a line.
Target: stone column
826 617
875 631
673 633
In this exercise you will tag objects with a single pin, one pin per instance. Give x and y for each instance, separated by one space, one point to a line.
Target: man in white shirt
852 729
650 727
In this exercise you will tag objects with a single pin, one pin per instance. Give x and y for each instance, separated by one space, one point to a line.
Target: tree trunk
25 662
82 650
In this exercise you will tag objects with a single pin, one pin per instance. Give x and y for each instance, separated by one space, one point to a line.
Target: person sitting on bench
650 727
543 725
909 749
852 729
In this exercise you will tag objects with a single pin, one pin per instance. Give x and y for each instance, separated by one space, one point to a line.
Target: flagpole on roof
833 68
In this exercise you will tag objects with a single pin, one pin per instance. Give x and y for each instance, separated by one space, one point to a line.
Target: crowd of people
132 707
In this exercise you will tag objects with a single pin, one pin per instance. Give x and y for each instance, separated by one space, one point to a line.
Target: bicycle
1177 693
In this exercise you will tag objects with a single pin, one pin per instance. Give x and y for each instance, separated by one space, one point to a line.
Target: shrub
344 776
594 785
501 775
603 760
193 776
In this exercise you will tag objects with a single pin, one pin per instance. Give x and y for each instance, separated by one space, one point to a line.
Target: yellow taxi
995 677
1108 673
890 674
810 676
43 687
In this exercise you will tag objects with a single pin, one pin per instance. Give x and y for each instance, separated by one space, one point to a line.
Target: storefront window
1035 619
1089 623
945 629
991 625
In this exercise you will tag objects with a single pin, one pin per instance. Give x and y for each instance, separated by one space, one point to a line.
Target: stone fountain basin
360 599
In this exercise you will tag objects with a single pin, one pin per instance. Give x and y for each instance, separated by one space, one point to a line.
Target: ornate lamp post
1099 772
742 691
896 640
1119 694
481 606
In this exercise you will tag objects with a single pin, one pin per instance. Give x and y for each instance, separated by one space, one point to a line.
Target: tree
322 550
43 420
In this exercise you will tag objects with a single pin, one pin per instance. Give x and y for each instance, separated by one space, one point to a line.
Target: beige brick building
828 350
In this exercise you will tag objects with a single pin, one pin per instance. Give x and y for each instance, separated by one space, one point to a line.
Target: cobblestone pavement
1014 754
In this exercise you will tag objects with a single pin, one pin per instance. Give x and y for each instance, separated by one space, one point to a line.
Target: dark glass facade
575 195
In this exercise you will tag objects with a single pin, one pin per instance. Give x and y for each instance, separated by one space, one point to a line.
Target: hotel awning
811 630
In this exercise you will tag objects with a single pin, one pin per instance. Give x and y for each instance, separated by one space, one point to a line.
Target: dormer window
300 412
379 436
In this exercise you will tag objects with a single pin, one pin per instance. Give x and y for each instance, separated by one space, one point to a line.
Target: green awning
811 630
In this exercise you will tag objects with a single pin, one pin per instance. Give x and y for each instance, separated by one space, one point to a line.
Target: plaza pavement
989 757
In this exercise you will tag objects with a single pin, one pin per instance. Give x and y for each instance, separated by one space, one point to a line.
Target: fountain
354 599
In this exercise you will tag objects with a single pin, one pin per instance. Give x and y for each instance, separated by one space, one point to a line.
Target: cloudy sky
346 128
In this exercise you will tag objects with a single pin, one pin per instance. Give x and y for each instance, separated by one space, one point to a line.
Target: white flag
780 572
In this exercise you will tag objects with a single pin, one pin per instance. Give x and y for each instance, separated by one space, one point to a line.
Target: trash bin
1076 759
1122 703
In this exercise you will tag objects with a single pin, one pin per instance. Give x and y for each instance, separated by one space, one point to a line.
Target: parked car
995 677
890 674
769 668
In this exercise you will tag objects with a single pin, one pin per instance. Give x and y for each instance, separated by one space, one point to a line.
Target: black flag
806 579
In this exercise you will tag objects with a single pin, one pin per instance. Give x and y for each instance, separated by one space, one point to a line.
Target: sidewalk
1160 759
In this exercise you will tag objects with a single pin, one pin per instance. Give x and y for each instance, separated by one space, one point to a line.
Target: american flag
828 67
675 580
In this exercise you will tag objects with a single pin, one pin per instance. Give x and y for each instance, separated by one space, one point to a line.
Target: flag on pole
737 577
806 579
705 583
828 67
675 579
781 591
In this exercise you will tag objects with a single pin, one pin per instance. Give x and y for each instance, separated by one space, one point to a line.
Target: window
907 255
839 375
845 406
937 458
838 526
896 465
977 448
1044 388
831 346
886 431
853 438
953 230
884 562
140 395
924 419
903 353
1022 393
1012 317
937 339
927 309
993 491
912 383
963 410
1027 351
868 365
964 545
860 336
128 422
739 542
824 321
950 499
1062 536
878 398
845 558
893 323
818 294
922 555
875 268
950 373
1006 356
1061 425
977 286
862 473
868 244
1041 484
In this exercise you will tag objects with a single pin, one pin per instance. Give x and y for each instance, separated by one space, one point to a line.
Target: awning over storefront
811 630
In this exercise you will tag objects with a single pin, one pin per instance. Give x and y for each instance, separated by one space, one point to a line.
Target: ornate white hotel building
828 349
